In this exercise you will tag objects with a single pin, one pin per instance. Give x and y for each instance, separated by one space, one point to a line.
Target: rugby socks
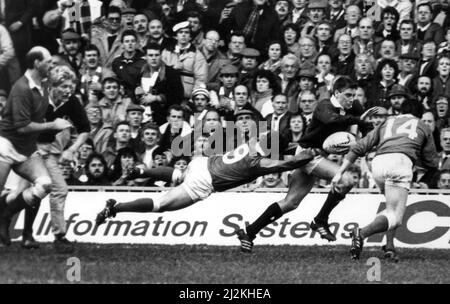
272 213
139 205
331 202
14 207
379 224
390 235
30 216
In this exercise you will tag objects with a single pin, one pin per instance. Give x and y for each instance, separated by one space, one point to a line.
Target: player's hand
148 99
60 124
335 182
15 26
133 173
370 112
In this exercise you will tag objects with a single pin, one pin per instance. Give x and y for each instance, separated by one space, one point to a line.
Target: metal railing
240 189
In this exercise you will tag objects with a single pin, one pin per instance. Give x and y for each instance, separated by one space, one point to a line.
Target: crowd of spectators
157 74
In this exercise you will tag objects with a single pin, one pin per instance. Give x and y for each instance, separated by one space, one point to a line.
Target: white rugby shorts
394 169
198 181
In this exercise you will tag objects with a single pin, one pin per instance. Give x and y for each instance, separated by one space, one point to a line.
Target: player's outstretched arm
299 160
160 173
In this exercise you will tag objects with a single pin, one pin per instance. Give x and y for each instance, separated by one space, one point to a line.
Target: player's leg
326 169
175 199
300 185
389 249
33 169
5 168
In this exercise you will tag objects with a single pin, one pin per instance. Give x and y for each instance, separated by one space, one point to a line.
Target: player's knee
42 186
288 205
346 184
393 219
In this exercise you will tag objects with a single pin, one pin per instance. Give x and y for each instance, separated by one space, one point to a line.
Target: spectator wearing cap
397 97
214 58
249 65
108 39
426 28
245 124
135 117
128 66
100 131
408 43
113 105
161 85
201 101
441 83
336 13
257 20
128 14
408 68
316 13
184 57
71 43
222 94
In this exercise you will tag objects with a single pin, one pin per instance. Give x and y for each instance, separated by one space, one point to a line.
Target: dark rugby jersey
404 134
239 167
24 106
327 120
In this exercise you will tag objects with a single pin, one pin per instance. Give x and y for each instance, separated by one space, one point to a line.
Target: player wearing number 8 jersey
400 142
205 175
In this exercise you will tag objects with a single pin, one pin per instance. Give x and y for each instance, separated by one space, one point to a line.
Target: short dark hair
428 4
175 107
151 126
343 83
271 77
121 123
152 46
408 21
194 14
128 33
32 56
98 156
91 47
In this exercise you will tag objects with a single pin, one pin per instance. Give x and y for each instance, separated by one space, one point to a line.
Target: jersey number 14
409 127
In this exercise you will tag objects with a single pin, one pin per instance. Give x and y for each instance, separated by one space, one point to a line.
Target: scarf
251 25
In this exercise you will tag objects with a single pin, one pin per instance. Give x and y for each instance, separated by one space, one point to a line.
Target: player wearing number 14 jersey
400 142
204 176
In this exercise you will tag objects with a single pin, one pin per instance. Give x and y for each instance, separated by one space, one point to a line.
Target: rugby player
339 113
400 142
206 175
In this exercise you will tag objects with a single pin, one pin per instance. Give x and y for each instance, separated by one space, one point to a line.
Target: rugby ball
338 143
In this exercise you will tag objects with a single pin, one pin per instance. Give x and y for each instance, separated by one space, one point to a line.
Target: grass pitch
119 263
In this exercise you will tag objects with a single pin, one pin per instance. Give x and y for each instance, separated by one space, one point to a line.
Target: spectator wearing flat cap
316 12
72 49
249 65
408 69
135 117
397 96
201 102
184 57
222 94
257 20
128 14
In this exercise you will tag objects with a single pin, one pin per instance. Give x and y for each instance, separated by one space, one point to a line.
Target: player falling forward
204 176
400 142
